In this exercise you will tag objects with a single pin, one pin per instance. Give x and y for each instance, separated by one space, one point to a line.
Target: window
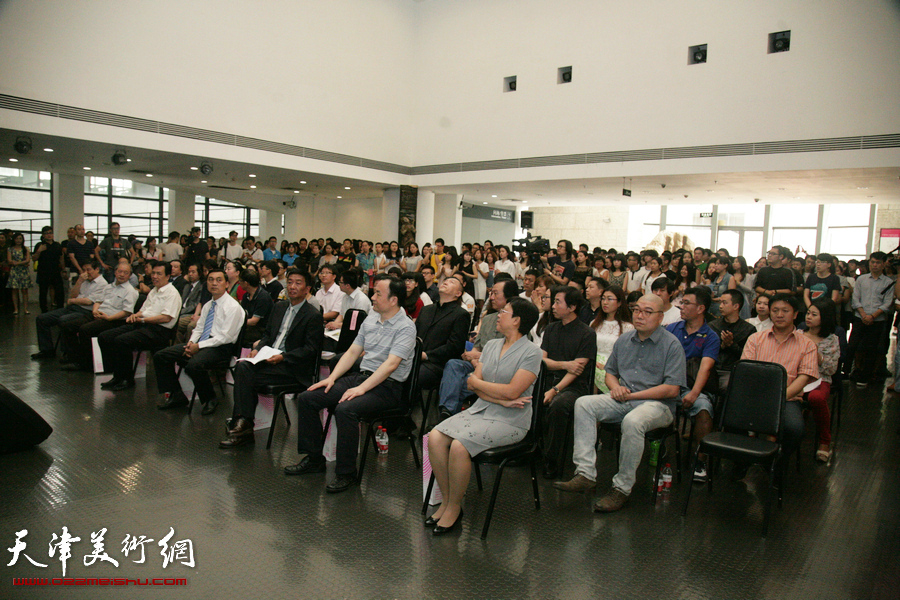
846 230
140 209
218 217
25 204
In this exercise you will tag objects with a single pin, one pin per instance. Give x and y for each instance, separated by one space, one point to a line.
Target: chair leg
656 480
677 458
327 425
490 512
772 492
279 399
687 498
478 476
534 481
191 402
370 438
137 360
415 453
287 417
428 494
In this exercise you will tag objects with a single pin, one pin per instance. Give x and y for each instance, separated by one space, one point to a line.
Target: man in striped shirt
786 345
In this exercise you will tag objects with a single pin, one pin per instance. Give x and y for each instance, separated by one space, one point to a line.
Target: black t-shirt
568 267
195 254
820 287
741 331
588 314
83 253
259 306
48 261
770 278
568 342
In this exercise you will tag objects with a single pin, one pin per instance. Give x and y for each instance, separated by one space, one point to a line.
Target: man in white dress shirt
353 297
232 250
211 342
329 296
148 329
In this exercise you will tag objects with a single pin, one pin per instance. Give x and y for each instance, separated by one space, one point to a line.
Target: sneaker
577 484
611 502
700 475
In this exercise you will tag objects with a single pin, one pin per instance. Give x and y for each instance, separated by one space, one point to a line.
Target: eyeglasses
646 311
505 312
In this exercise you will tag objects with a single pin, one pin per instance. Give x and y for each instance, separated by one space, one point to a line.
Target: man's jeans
637 418
453 384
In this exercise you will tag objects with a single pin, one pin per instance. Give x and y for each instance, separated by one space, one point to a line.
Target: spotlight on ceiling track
119 158
206 168
23 145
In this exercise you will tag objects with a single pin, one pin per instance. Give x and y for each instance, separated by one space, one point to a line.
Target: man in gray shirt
453 390
645 375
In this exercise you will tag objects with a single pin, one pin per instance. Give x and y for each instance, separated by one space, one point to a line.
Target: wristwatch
555 389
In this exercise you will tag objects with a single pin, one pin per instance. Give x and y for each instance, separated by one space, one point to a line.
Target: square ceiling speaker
697 54
509 84
779 42
564 75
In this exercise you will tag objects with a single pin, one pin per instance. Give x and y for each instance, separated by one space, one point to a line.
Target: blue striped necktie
207 326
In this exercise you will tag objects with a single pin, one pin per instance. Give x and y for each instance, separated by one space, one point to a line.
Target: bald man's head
648 314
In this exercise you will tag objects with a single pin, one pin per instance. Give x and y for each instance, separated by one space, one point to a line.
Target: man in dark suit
178 279
297 330
443 328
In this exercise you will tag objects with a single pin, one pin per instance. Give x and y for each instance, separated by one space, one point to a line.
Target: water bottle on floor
382 439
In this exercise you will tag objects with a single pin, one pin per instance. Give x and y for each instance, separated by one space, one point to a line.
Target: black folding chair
169 342
755 402
527 448
281 391
224 366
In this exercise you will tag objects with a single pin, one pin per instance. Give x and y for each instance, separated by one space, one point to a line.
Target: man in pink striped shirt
786 345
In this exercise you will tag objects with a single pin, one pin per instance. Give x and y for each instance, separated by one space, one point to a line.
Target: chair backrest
537 406
756 396
353 320
238 345
411 385
476 314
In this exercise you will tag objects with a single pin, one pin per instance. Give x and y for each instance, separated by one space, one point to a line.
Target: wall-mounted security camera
206 168
756 199
663 185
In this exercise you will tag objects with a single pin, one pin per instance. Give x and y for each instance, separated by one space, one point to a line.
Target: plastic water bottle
654 452
382 439
666 477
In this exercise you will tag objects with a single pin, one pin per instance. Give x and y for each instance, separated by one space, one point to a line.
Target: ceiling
230 178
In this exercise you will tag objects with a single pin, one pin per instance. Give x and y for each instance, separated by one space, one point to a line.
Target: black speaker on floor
20 426
527 219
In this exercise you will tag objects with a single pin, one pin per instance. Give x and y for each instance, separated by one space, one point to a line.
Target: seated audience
268 277
431 287
443 328
415 300
148 329
665 288
387 339
257 305
89 289
329 295
593 290
733 334
117 305
354 297
821 331
296 330
545 312
178 278
701 350
453 391
503 381
210 344
761 321
190 299
645 374
788 346
613 320
569 350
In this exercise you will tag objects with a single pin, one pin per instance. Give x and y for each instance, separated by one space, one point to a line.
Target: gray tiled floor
114 461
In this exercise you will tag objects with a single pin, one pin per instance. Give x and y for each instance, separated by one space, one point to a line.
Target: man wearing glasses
774 278
645 374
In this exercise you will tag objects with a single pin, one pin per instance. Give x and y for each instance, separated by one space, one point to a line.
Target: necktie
285 327
207 326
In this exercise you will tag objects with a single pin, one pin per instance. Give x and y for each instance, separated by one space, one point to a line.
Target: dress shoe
577 484
431 521
240 435
122 385
306 465
611 502
210 407
439 530
341 483
42 355
108 384
173 400
73 367
444 415
550 472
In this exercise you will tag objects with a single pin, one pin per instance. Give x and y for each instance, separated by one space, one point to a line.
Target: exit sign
706 215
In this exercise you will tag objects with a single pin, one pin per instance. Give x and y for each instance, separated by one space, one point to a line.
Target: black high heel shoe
431 521
439 530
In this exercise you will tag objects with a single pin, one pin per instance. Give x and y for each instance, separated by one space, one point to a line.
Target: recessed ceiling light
252 175
202 181
524 201
339 197
493 195
86 168
862 188
127 160
252 187
484 202
149 174
195 168
302 183
14 160
346 188
296 191
48 149
780 189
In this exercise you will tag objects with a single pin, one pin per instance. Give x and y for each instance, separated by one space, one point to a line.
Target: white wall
605 226
479 230
632 87
303 72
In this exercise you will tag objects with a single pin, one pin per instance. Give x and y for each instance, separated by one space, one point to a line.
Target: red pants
818 403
